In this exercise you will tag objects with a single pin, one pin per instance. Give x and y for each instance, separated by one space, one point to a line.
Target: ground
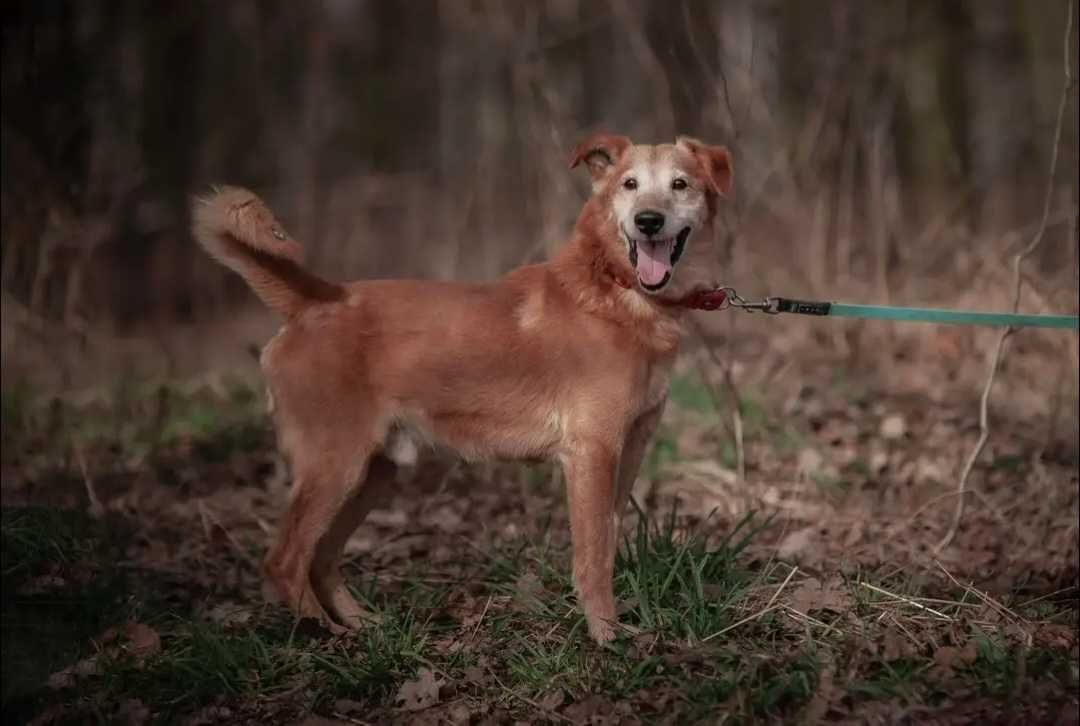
781 566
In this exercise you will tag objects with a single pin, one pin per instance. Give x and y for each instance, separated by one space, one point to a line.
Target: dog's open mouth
654 259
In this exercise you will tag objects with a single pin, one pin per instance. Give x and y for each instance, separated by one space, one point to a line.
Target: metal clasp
768 305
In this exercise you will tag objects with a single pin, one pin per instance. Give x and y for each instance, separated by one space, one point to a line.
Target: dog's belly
474 437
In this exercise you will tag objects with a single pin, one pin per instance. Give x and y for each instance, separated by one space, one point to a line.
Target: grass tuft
678 586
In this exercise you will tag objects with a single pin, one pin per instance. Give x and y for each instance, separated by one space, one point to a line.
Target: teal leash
777 305
954 317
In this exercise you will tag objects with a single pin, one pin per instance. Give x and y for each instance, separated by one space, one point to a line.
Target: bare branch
1018 261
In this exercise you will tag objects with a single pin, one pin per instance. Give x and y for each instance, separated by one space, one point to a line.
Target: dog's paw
602 630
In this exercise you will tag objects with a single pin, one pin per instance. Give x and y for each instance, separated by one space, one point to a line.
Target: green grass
688 392
676 589
900 679
663 452
997 668
677 585
61 585
36 538
203 661
140 419
49 627
383 656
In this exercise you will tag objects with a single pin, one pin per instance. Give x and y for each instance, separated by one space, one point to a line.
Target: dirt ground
782 567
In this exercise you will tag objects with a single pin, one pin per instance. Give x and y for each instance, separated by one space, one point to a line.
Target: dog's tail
240 232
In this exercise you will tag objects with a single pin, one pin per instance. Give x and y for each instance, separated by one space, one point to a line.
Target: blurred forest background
894 151
884 151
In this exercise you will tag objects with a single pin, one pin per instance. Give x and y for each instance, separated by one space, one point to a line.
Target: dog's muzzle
655 259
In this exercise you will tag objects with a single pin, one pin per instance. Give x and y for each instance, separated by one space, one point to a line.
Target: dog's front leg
590 486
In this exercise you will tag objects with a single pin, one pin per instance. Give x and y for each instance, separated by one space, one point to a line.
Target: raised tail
240 232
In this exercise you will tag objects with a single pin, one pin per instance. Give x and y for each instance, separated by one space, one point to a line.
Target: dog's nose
649 222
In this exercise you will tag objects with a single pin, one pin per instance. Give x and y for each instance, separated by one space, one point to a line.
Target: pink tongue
653 261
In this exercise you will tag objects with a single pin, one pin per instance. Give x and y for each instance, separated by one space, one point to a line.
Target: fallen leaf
421 693
947 658
711 474
346 706
796 544
211 715
893 427
812 594
896 645
527 592
818 706
133 712
143 641
229 614
67 677
550 700
445 518
475 674
591 710
460 713
391 517
139 640
41 585
928 471
1055 635
810 461
855 534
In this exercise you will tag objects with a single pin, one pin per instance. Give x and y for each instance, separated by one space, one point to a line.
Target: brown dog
567 361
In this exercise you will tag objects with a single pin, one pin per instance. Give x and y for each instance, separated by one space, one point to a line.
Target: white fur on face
655 170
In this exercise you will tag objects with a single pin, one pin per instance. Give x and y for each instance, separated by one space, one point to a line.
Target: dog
565 361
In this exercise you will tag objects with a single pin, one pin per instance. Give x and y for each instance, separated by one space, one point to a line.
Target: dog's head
659 199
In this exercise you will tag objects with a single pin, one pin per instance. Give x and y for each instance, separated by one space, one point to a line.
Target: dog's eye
678 184
630 183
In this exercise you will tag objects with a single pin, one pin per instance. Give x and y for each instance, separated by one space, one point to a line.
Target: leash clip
768 305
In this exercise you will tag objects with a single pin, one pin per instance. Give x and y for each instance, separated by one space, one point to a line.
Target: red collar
697 300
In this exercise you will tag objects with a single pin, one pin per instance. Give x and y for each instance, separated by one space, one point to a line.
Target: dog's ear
600 152
716 160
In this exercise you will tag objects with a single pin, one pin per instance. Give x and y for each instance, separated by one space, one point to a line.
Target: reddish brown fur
554 361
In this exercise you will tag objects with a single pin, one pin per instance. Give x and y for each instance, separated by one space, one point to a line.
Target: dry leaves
421 693
795 546
551 700
895 644
42 585
813 594
136 640
230 614
948 658
528 591
893 427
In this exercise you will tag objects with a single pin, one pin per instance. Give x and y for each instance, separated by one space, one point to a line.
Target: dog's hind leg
384 476
325 484
326 576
